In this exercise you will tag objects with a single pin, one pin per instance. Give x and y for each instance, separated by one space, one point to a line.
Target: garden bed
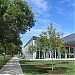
62 63
56 71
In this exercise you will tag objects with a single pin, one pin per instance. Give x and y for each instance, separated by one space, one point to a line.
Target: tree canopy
32 49
16 18
51 41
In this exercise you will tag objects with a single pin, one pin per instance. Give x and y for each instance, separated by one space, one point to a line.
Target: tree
32 49
15 18
19 16
1 49
42 44
10 38
55 40
50 41
15 15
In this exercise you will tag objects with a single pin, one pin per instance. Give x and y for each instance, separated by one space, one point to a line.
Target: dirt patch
56 71
30 61
50 64
41 65
44 65
62 63
49 70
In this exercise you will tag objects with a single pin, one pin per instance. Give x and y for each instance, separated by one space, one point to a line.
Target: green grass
4 61
30 68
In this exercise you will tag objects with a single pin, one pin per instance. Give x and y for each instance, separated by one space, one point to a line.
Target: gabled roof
70 40
33 38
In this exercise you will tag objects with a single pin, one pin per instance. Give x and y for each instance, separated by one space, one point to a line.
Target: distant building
69 42
29 43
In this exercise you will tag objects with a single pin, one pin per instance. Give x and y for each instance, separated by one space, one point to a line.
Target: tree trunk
39 54
11 53
52 60
4 56
5 51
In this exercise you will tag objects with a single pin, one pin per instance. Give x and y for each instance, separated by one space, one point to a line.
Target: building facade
29 43
69 42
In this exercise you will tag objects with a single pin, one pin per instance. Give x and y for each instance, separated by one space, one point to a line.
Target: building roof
68 40
33 38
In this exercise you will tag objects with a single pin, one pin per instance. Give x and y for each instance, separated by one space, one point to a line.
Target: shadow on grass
32 69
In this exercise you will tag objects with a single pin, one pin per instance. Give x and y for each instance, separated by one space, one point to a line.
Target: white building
69 42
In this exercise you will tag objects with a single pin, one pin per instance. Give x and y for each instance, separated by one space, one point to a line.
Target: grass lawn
3 61
34 67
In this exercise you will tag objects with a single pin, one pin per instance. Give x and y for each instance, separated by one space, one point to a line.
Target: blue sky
60 12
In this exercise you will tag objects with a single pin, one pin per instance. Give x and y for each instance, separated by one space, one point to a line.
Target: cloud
64 1
70 15
56 24
64 12
58 10
67 33
35 32
41 4
71 5
40 8
43 22
38 5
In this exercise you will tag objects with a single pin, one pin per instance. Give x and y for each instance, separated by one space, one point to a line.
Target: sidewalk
12 67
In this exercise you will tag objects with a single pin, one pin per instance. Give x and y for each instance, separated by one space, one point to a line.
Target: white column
69 52
55 53
74 52
59 54
44 54
33 42
34 55
47 55
50 54
65 55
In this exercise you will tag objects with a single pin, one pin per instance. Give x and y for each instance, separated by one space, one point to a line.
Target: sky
60 12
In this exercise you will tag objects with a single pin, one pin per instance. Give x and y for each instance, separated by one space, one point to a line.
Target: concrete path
12 67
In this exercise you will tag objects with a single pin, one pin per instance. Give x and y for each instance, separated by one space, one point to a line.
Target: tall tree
19 16
55 40
42 44
15 15
15 18
32 49
50 41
